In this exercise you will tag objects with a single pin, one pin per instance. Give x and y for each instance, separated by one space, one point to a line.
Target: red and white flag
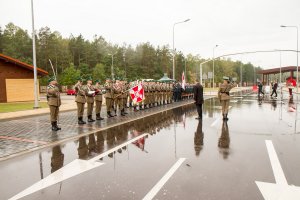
183 81
137 93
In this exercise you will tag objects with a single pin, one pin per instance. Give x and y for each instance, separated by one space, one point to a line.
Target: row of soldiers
116 94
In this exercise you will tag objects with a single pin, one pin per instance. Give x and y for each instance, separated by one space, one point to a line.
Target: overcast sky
235 25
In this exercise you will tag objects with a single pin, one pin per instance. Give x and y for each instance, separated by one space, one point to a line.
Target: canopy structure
165 78
265 73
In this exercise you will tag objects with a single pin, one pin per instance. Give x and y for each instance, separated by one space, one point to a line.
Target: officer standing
54 101
198 97
90 94
224 95
98 99
80 100
108 97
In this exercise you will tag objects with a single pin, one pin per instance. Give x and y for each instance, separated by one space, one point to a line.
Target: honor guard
80 100
54 101
118 91
108 97
98 99
224 96
90 94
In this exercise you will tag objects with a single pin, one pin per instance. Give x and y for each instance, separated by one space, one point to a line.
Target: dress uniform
54 101
98 100
125 95
224 96
80 100
90 94
118 91
108 97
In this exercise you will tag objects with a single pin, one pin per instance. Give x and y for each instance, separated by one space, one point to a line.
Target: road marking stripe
214 123
22 139
277 170
163 180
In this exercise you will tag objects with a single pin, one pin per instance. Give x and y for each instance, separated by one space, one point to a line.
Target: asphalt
168 154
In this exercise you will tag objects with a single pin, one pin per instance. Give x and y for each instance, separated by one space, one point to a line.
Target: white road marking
215 122
281 190
72 169
277 170
163 180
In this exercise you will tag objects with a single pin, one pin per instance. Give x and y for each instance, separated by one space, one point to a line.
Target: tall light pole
297 78
112 65
296 51
174 46
214 65
36 102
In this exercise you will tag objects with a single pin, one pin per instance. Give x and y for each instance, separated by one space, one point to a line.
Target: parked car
71 92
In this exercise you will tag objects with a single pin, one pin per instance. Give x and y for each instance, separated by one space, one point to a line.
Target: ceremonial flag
183 81
137 93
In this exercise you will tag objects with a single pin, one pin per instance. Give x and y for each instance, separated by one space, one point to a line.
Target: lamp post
174 46
112 65
36 103
297 78
214 65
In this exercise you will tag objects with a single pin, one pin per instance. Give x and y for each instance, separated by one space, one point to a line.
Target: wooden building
16 80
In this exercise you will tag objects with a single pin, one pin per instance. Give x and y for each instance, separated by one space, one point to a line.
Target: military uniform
57 159
118 91
90 93
108 97
80 101
54 101
224 96
98 99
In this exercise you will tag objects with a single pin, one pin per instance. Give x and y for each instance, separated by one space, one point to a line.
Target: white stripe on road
277 170
163 180
214 123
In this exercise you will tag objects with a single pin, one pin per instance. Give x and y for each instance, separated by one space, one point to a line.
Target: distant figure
274 88
260 89
198 97
198 139
224 95
290 82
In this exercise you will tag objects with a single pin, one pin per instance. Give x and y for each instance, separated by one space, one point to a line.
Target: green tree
69 76
99 72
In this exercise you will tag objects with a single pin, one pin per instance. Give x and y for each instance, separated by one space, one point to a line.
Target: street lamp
36 103
282 26
297 79
214 65
112 65
173 44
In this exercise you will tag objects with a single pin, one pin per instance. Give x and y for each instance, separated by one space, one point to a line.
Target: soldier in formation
98 99
54 101
80 100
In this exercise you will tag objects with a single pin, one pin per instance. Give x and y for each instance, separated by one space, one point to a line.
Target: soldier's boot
58 128
115 112
109 115
90 119
224 117
125 112
122 112
80 121
134 109
54 128
98 117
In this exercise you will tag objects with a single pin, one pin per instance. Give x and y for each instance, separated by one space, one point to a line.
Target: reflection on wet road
169 155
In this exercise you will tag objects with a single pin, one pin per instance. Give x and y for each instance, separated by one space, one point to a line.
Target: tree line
76 56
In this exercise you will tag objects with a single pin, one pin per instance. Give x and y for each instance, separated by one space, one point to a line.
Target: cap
51 79
225 78
97 81
89 78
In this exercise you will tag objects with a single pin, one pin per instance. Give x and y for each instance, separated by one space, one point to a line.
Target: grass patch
19 106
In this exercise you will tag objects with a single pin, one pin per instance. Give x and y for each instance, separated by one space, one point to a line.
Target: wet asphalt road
223 160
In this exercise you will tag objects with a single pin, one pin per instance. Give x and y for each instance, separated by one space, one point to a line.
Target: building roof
277 70
22 64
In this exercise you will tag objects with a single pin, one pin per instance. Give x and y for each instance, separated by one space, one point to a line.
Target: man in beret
54 101
90 94
98 99
224 96
109 97
80 100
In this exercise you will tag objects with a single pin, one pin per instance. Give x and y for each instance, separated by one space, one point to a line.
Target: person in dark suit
198 97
